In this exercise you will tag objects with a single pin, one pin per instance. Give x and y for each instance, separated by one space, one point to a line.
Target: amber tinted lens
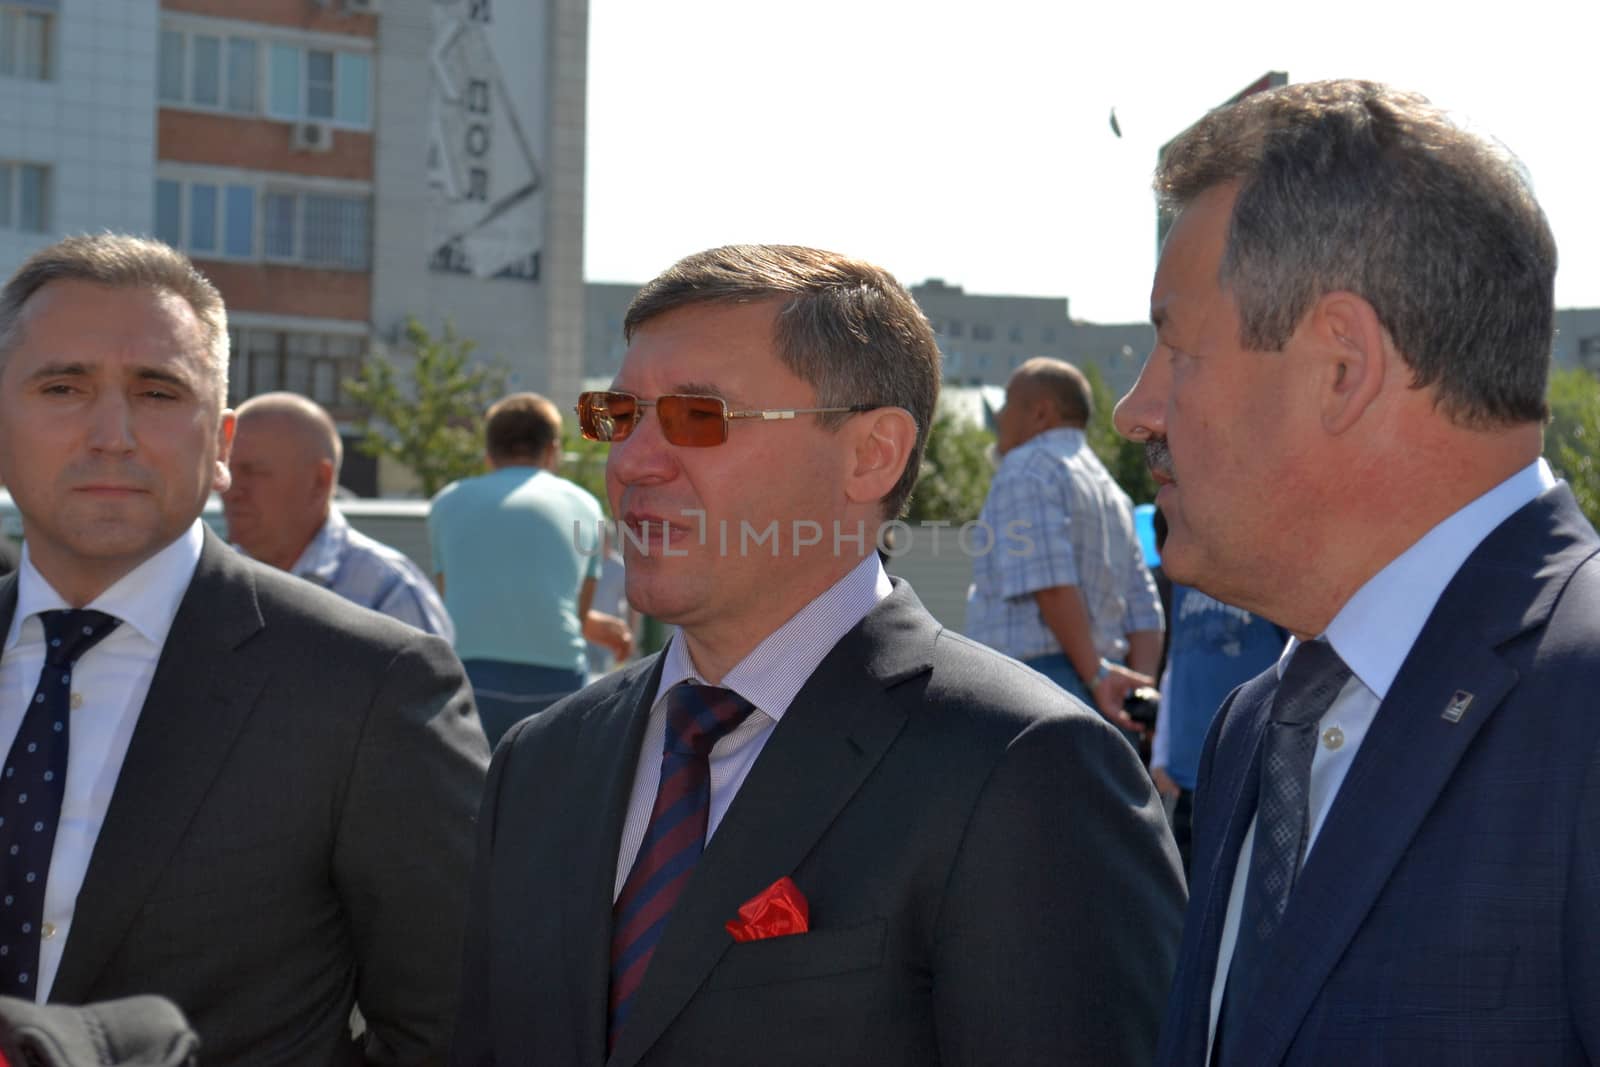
692 421
607 416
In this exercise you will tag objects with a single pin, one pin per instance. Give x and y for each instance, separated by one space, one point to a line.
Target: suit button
47 931
77 701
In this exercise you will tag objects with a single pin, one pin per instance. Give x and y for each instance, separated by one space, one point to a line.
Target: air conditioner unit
311 137
361 7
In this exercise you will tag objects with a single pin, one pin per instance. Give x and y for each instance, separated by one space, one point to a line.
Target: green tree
1122 457
584 462
432 420
1572 441
955 472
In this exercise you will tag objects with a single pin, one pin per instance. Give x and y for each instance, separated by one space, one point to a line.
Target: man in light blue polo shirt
515 553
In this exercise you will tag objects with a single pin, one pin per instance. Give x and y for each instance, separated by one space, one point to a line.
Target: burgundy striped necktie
698 716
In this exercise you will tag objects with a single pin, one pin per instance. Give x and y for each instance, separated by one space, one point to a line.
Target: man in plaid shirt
1063 587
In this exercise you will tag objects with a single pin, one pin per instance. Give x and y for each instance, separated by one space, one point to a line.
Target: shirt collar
777 668
1374 631
1060 439
320 560
145 599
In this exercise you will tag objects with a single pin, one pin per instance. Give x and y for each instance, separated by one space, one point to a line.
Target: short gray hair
1356 186
125 262
846 328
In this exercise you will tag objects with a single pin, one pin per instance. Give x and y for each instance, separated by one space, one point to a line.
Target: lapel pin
1457 707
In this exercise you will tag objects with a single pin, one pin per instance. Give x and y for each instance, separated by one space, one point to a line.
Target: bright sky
971 141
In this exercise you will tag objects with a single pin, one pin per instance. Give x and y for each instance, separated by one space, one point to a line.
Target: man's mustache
1158 457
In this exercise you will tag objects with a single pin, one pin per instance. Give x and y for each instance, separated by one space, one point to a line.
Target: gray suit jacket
989 875
291 831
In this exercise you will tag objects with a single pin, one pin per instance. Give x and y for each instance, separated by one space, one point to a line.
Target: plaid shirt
1058 518
346 561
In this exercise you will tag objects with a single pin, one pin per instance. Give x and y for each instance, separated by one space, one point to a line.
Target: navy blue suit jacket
1449 911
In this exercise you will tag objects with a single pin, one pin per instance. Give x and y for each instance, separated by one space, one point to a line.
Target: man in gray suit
244 793
920 851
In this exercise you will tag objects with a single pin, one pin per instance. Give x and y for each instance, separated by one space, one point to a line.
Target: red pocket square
776 911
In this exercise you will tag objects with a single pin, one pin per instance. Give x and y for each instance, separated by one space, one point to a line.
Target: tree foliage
431 419
1122 457
955 472
1572 441
584 462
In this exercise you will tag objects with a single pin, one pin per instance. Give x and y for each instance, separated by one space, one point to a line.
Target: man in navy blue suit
1397 852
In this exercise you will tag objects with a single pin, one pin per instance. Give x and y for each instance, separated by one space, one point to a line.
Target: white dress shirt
1373 634
769 677
109 685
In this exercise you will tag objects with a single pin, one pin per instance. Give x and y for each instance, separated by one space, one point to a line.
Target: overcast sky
971 141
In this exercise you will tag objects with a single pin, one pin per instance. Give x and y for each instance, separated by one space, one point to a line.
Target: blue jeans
507 693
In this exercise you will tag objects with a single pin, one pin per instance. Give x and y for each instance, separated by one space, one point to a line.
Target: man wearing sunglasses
817 828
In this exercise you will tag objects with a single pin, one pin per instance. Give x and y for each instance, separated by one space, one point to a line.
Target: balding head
285 466
1043 394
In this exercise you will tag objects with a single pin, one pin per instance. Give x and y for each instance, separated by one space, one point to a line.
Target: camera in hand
1141 706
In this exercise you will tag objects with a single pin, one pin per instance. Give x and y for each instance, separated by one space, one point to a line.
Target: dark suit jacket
1449 911
291 830
989 875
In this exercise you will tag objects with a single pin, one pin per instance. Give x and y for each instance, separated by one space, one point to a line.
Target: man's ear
882 439
1351 350
324 479
222 477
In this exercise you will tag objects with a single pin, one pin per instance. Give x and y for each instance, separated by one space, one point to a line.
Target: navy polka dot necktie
31 788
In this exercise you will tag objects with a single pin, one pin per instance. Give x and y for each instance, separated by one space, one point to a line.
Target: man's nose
1142 413
111 426
644 455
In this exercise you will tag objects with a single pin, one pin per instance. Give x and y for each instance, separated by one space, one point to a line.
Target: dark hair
847 328
1353 185
521 426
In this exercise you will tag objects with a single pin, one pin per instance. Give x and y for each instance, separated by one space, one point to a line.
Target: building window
1016 335
314 229
239 222
982 331
24 197
208 71
955 327
318 229
1048 335
321 84
169 79
202 217
25 42
312 364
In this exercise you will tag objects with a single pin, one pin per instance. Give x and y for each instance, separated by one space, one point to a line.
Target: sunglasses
687 419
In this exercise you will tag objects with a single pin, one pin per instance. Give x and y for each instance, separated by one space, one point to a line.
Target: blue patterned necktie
698 716
1313 679
34 781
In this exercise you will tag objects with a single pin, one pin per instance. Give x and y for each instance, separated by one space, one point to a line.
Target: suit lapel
1232 787
1506 587
826 745
609 737
200 696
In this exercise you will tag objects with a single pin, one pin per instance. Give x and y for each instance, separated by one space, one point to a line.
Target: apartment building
335 166
77 120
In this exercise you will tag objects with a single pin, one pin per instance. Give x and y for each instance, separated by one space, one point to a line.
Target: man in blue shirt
285 465
1064 587
516 553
